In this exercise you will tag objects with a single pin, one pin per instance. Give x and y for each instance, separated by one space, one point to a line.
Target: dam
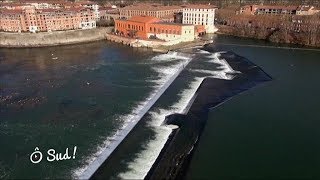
93 167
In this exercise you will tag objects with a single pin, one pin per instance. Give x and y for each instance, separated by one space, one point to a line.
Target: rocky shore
44 39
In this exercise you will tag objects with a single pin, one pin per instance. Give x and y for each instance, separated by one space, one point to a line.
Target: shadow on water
175 157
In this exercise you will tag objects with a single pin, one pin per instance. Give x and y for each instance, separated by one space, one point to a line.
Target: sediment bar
93 167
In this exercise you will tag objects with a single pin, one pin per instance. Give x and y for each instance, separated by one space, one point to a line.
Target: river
268 132
84 95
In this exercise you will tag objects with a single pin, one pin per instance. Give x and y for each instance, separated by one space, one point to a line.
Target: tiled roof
150 7
278 7
10 11
144 19
199 6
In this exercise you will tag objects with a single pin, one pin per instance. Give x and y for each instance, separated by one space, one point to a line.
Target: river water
83 95
268 132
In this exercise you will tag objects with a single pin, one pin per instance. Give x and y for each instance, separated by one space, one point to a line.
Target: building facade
41 20
307 10
147 27
200 15
154 10
109 14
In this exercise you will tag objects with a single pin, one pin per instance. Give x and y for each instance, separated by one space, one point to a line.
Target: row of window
195 15
195 19
158 30
135 27
203 10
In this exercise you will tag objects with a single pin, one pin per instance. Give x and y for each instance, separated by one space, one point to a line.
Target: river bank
45 39
156 45
274 36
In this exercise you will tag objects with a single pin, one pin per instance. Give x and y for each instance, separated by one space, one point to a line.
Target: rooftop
172 23
144 19
150 7
199 6
10 11
277 7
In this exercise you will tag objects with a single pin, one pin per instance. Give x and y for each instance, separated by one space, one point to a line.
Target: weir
175 156
94 166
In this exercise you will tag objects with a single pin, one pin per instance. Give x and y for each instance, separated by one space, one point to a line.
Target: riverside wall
56 38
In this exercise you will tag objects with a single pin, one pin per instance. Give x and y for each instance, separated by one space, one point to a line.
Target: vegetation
303 30
105 23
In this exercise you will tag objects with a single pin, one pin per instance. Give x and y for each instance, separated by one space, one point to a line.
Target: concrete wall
187 33
52 39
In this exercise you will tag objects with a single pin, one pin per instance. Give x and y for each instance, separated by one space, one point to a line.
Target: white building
91 5
177 32
200 15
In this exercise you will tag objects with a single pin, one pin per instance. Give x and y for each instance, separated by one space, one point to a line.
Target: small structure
272 10
307 10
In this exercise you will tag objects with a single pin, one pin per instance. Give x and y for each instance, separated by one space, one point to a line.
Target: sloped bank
173 161
44 39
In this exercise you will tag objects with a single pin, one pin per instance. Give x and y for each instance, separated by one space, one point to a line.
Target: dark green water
90 91
271 131
68 96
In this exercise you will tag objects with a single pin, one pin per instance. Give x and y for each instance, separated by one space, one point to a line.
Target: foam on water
203 52
140 166
165 73
226 71
215 58
171 55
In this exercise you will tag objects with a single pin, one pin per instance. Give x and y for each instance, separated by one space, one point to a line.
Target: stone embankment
134 42
155 45
56 38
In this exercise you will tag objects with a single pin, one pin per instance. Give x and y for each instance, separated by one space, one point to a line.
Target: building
34 20
272 10
11 20
200 15
307 10
247 9
147 27
109 14
155 10
178 17
91 5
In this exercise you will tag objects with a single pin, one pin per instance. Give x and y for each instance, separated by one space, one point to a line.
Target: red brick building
147 27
